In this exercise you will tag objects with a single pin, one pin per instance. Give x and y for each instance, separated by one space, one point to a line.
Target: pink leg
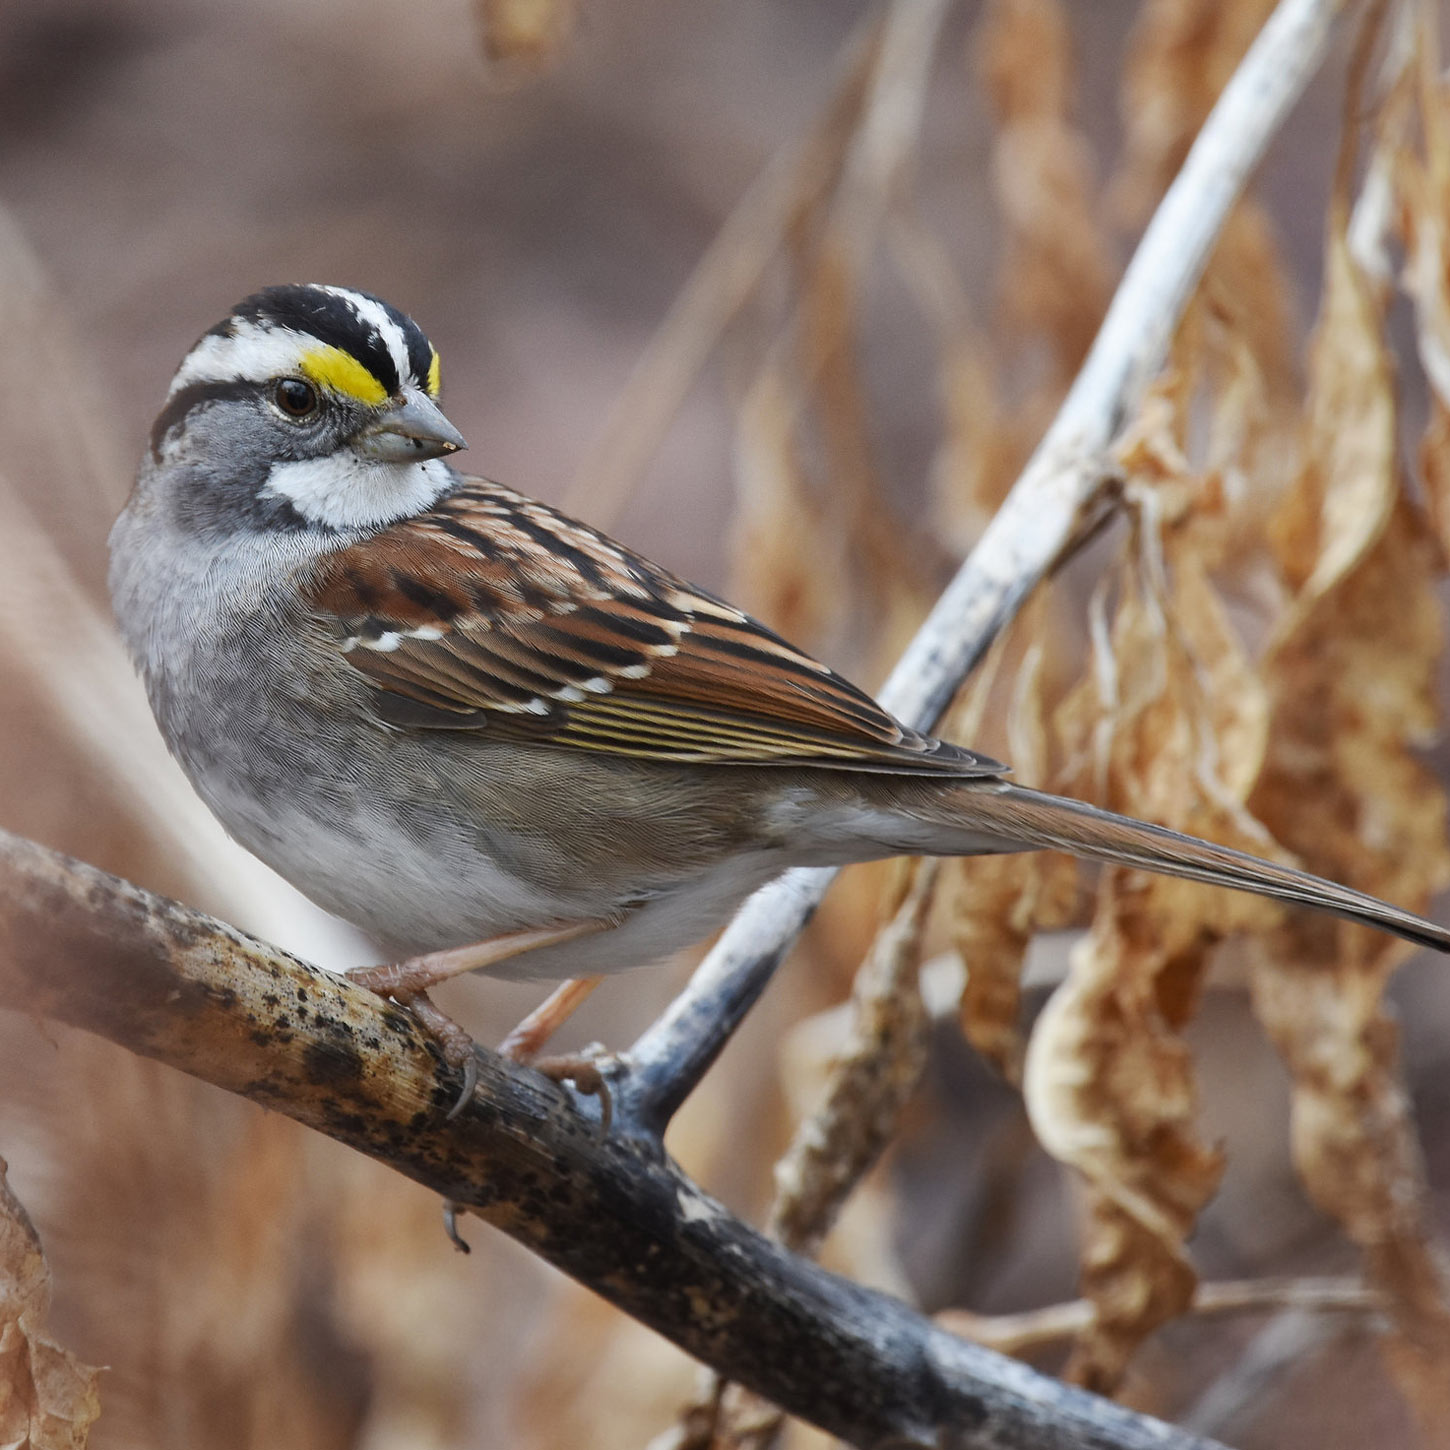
403 980
407 983
524 1042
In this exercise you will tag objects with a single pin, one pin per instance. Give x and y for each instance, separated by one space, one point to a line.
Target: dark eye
295 398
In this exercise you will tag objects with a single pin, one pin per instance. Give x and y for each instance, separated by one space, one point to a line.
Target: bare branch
165 981
1036 1328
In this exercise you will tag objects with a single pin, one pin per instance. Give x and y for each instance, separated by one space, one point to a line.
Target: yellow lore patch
331 367
435 374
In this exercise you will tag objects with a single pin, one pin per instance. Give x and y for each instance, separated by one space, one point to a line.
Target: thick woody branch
87 949
1049 504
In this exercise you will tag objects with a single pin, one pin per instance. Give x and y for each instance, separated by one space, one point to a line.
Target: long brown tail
1019 818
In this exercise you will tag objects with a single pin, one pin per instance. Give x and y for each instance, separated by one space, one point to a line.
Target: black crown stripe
420 350
333 320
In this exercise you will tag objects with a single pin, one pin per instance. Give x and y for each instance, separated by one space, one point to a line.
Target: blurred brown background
161 158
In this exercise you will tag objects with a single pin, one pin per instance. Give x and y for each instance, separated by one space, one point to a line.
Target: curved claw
450 1227
585 1072
470 1082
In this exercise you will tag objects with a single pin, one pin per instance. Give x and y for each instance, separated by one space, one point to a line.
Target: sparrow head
308 407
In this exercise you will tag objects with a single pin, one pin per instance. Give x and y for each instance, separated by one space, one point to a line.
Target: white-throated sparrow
453 715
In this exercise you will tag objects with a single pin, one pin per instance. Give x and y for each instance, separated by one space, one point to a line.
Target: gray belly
433 840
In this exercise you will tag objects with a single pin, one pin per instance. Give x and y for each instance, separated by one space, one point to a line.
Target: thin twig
1036 522
1039 1328
162 980
1288 1341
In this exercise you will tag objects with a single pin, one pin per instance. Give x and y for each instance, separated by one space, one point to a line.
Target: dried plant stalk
873 1075
1037 1329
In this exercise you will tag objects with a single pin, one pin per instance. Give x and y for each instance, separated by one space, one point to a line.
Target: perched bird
485 732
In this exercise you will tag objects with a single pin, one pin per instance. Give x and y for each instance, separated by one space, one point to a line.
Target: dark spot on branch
351 1124
331 1063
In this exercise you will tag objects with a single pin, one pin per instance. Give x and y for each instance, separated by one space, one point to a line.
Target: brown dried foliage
1181 54
1110 1082
1186 729
1251 658
995 905
1342 788
1057 273
48 1398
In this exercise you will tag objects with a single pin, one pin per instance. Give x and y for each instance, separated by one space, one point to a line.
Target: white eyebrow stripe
375 315
250 354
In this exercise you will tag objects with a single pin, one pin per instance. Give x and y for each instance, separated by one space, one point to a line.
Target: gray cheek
218 463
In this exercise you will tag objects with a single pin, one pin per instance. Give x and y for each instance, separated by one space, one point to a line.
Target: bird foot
585 1072
407 983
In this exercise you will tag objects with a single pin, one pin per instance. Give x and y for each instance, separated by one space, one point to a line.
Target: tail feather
1022 818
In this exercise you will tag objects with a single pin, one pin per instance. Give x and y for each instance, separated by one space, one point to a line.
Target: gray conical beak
410 430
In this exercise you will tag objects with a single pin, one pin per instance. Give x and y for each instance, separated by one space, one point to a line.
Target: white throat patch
347 491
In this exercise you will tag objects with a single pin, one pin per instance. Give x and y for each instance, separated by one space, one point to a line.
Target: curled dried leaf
1109 1089
1169 724
48 1398
1351 673
996 904
1343 787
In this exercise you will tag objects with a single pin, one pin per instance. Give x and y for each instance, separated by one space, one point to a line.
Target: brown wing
493 612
